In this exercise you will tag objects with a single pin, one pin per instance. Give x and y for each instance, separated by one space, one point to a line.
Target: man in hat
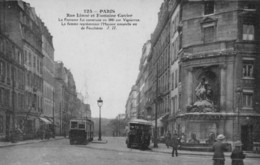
174 144
218 148
237 154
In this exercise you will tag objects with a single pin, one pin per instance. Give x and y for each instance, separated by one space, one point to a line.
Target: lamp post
239 92
100 103
156 101
155 144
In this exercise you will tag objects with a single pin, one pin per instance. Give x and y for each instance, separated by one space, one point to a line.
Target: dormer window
208 7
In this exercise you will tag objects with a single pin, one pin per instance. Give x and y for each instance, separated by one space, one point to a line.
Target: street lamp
157 101
100 103
239 91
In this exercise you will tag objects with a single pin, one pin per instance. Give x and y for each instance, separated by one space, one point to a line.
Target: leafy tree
118 126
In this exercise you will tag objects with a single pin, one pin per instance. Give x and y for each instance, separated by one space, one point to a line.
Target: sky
104 63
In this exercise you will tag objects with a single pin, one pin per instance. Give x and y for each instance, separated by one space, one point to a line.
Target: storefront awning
160 120
46 121
159 123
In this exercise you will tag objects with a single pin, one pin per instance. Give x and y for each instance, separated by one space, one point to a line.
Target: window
25 57
81 126
209 33
1 95
248 32
179 74
250 6
175 50
174 104
1 124
1 45
172 52
248 69
7 97
176 78
34 62
8 70
30 59
248 100
180 41
208 7
1 68
172 80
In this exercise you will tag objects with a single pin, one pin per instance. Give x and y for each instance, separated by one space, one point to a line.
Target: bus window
74 124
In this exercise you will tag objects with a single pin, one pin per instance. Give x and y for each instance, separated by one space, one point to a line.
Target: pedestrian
237 154
174 144
219 148
168 139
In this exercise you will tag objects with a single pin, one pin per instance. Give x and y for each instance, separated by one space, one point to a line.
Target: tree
117 126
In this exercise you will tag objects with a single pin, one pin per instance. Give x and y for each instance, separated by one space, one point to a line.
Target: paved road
59 152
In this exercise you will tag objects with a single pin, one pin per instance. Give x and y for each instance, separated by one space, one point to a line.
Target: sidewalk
102 141
163 149
8 144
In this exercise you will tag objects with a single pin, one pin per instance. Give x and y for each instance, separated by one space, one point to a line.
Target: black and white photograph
137 82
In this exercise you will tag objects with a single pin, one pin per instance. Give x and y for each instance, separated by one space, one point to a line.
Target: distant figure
175 144
218 148
168 139
183 138
211 139
193 139
237 154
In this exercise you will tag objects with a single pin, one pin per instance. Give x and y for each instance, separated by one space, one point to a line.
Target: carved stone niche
206 90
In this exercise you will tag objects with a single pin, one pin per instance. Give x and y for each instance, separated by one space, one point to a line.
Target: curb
24 142
204 154
100 142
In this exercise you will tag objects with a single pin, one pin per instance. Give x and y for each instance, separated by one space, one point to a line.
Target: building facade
131 104
31 83
175 48
68 106
21 24
219 70
48 74
12 85
141 81
61 111
160 59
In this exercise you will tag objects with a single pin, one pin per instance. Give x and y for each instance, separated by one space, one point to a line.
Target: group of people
45 132
218 147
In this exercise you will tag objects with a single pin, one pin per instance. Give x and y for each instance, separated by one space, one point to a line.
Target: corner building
220 71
